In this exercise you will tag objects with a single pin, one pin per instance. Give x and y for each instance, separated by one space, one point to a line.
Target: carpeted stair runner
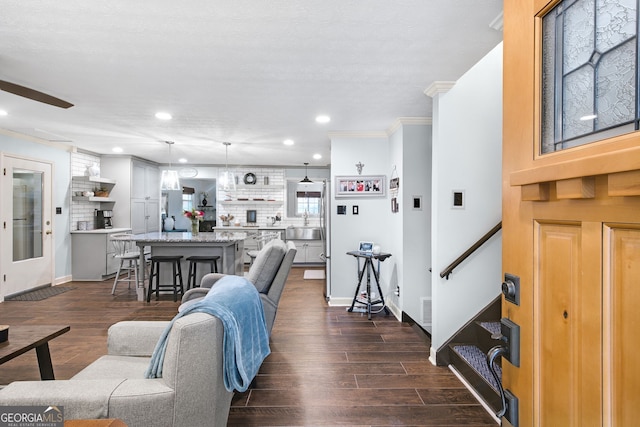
478 361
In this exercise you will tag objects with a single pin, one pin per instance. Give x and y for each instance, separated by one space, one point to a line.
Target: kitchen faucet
305 216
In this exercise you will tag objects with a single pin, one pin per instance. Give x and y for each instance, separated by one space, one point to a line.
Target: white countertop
202 237
249 228
101 231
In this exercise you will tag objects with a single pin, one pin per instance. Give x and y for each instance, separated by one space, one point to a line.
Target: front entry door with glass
27 239
571 204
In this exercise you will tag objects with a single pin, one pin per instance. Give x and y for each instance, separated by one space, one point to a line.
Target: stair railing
447 271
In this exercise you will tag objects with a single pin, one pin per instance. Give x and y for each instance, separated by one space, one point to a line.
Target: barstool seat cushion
265 266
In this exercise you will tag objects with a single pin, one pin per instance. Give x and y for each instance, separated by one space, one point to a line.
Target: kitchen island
253 233
228 245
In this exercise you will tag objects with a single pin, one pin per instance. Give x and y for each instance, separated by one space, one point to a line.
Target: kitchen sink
303 233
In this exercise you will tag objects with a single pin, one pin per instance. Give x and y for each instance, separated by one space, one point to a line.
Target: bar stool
156 260
128 254
193 265
261 241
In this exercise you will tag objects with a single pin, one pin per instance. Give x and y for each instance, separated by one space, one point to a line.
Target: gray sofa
268 273
191 392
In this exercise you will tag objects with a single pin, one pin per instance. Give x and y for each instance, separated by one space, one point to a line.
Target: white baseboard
61 280
340 302
475 394
432 356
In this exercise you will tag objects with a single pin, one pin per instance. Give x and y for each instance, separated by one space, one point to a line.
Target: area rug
40 294
313 275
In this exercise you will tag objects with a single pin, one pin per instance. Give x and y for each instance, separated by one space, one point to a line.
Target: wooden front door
571 233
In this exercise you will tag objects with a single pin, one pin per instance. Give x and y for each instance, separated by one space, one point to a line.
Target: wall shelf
252 186
251 202
93 199
93 179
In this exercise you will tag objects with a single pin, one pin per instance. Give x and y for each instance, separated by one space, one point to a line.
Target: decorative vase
168 224
93 170
225 223
204 201
195 227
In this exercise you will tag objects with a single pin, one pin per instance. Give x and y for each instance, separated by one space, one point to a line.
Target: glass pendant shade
170 180
227 179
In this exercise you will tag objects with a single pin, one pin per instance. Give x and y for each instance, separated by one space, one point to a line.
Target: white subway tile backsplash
264 209
82 210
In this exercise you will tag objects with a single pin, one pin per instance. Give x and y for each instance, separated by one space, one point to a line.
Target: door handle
48 232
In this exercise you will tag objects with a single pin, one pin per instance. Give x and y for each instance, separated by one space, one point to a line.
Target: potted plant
101 192
226 219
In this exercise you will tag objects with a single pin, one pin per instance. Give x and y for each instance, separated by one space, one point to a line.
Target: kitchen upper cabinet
137 193
146 181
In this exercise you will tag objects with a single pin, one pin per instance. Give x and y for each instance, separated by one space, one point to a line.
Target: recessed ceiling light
323 119
317 156
117 149
182 160
163 116
288 142
3 113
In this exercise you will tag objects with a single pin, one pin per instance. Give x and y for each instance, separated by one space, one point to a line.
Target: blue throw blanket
236 302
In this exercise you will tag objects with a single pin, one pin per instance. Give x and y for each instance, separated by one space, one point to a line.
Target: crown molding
357 134
38 140
438 87
402 121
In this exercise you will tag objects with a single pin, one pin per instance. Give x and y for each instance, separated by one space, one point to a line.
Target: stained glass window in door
589 65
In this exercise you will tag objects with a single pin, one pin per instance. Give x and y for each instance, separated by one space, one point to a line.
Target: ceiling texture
252 73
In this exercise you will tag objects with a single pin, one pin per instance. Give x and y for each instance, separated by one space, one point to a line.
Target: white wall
415 181
372 222
405 154
467 141
61 197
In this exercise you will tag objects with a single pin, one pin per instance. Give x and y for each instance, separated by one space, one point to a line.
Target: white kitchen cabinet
137 193
93 254
309 252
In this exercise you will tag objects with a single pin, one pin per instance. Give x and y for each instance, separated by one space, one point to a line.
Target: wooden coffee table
23 338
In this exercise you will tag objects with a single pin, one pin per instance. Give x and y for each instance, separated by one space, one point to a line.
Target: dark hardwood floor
327 366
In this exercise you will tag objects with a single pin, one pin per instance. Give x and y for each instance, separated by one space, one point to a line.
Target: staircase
467 351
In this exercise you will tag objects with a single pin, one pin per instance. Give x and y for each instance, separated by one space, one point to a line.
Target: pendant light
170 179
227 179
306 180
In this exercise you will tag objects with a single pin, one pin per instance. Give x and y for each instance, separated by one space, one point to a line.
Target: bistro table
369 268
23 338
228 245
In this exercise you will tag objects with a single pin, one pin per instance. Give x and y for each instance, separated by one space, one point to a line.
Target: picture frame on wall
360 186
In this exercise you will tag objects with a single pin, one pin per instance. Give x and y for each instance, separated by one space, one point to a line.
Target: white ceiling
252 73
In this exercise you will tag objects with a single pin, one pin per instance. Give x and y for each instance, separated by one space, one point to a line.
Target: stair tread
478 361
493 327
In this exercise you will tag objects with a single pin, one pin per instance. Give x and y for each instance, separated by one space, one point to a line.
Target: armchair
268 273
114 386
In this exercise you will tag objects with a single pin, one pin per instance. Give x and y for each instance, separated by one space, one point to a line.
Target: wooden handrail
447 271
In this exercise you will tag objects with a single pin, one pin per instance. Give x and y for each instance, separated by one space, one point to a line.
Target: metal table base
369 268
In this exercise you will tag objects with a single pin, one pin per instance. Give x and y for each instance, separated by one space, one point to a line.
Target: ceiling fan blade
33 94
